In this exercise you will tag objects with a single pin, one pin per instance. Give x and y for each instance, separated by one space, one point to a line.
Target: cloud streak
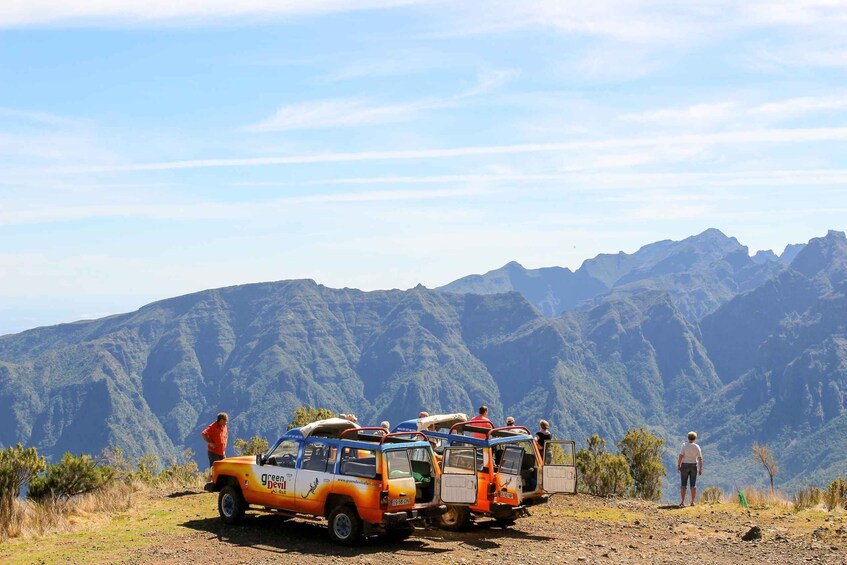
339 113
25 13
788 135
206 211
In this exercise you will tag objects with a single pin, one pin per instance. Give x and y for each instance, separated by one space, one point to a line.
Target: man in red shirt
216 436
481 420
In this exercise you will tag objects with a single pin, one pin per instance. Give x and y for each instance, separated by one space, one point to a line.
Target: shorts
213 457
688 471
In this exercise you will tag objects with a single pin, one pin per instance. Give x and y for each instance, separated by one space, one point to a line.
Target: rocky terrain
183 528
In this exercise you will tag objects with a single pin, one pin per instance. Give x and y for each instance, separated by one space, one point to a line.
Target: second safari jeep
505 466
364 481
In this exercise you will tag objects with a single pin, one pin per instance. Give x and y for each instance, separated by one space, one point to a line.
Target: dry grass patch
762 498
28 519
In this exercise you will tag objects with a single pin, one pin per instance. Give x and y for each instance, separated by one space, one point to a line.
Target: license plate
400 501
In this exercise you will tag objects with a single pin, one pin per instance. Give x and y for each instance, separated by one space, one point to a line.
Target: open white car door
459 481
558 475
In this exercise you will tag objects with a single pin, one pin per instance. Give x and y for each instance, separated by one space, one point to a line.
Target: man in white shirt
689 458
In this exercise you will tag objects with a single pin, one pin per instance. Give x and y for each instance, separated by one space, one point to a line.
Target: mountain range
692 334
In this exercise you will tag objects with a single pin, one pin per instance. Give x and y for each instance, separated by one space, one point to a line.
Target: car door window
285 454
318 457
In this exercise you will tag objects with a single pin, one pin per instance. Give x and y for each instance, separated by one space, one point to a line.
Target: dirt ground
183 528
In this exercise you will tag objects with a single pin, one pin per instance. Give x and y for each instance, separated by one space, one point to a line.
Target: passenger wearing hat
689 458
510 421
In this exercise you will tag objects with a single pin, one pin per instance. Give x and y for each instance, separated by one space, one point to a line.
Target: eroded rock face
753 534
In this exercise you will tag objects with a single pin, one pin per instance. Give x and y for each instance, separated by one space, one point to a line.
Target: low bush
712 495
601 473
807 497
181 472
254 446
146 469
836 494
72 476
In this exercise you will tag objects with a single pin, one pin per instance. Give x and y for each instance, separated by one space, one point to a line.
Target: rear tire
456 519
231 505
345 526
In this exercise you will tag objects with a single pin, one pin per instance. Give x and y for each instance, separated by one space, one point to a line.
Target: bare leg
693 495
682 496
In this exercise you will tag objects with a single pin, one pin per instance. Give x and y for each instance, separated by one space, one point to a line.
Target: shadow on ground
184 493
485 534
279 535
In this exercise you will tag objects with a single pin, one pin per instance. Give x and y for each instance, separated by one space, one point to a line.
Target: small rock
753 534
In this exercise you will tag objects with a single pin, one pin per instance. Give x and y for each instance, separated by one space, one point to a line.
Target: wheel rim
343 526
451 517
227 505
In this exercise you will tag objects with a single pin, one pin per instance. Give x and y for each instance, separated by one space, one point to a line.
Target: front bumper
390 518
209 487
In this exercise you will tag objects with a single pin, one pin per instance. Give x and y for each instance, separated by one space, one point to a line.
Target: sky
154 148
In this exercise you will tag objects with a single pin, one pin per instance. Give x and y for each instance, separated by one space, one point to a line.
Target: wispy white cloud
36 117
794 12
720 113
339 113
628 180
12 213
390 65
696 113
799 106
19 13
774 135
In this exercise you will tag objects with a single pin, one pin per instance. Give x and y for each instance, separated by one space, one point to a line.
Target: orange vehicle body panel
280 487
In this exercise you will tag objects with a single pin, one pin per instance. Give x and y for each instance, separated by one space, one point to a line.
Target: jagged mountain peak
827 255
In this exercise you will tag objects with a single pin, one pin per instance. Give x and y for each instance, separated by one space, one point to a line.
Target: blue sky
151 149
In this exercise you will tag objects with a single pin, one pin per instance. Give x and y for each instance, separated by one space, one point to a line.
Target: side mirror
259 460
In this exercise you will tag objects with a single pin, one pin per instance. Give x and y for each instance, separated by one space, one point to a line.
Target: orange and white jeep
364 481
505 467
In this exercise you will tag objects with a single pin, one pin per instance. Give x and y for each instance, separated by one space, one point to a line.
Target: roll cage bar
462 427
383 436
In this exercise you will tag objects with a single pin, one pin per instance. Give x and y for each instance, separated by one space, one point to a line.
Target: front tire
456 519
231 505
345 526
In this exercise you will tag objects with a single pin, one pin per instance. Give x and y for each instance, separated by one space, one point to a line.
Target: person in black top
543 435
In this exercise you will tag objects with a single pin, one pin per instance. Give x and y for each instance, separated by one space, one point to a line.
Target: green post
742 499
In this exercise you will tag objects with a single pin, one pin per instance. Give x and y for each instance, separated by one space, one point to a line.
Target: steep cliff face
782 352
150 380
770 365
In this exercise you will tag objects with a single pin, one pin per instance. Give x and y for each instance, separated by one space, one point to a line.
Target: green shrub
836 494
712 495
182 471
119 462
18 466
146 468
602 473
807 497
72 476
306 415
643 453
254 446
